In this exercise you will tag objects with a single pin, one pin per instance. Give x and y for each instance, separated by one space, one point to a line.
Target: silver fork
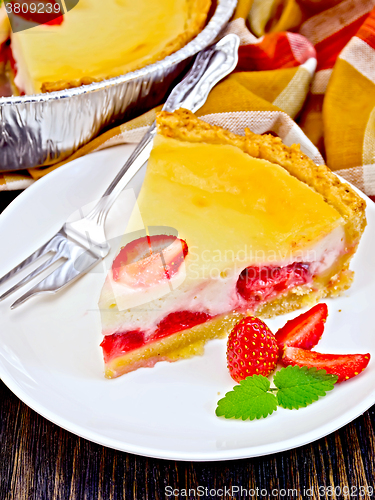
82 244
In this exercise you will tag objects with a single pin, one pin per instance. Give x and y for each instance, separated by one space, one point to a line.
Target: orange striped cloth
305 62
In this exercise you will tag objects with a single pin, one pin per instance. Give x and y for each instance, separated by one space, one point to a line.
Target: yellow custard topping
99 40
220 199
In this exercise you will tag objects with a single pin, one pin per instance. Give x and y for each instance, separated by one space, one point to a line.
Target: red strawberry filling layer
255 285
121 343
259 284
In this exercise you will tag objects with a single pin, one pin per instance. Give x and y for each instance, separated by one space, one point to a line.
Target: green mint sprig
295 387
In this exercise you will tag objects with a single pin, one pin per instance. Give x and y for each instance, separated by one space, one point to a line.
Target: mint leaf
296 387
248 400
301 386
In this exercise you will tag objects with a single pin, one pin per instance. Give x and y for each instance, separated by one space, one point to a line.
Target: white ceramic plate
50 356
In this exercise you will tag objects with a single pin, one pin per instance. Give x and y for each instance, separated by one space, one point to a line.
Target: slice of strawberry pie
232 226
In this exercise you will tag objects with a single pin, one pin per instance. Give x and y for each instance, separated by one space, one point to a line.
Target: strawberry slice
345 366
303 331
149 260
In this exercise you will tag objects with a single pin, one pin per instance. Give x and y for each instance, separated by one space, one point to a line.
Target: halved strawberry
303 331
148 260
345 366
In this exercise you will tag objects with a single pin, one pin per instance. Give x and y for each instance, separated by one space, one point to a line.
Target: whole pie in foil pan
46 127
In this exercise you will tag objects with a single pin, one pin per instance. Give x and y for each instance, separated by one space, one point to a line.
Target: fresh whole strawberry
345 366
251 349
304 331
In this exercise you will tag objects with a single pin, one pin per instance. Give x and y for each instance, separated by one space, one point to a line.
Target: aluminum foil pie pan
44 129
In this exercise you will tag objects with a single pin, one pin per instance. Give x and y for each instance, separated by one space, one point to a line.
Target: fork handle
210 66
